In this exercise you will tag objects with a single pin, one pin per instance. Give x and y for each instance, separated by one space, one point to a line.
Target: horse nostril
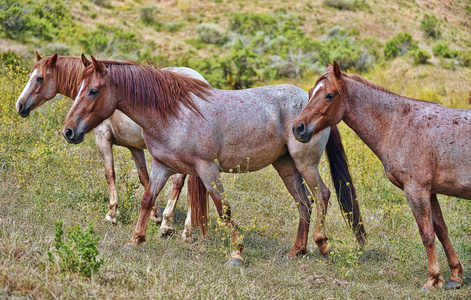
20 107
69 133
301 129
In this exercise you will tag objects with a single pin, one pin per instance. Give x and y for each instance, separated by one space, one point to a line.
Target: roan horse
61 74
424 147
192 128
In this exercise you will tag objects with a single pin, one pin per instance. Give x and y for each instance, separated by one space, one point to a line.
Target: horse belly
125 131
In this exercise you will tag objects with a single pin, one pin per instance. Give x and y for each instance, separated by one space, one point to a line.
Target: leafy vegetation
431 26
400 45
79 253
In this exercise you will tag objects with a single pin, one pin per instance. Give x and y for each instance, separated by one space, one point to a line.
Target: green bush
147 14
10 58
400 45
79 253
464 57
431 26
344 4
421 56
211 33
102 3
59 48
441 49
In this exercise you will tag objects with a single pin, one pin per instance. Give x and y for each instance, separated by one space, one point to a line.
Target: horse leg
139 158
105 147
294 183
441 230
186 235
419 197
209 174
166 228
158 177
321 196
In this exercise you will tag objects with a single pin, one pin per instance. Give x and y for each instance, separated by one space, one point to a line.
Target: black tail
198 202
346 194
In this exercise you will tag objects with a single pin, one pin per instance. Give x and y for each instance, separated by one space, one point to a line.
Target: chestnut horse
424 147
191 128
61 74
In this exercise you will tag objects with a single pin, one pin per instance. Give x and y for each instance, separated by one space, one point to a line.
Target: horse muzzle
23 109
301 132
72 136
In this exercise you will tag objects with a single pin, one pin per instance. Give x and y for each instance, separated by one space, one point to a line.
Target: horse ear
53 60
38 57
85 60
100 67
337 71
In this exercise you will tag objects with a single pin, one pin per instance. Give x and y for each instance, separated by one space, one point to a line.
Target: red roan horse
424 147
192 128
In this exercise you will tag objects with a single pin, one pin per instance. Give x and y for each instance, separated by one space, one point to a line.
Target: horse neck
146 117
374 114
68 75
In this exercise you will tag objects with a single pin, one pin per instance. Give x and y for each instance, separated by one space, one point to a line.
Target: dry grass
44 179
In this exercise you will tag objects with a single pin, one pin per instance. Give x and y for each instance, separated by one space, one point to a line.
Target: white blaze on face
78 94
27 86
318 86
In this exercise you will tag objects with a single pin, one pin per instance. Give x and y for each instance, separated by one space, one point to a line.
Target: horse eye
40 79
329 96
92 92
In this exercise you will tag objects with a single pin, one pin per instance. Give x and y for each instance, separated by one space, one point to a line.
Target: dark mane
66 73
162 90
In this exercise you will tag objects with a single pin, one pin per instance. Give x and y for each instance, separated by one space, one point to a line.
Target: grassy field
44 179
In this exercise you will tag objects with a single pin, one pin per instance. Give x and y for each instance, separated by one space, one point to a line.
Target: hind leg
441 231
177 184
294 183
321 196
209 174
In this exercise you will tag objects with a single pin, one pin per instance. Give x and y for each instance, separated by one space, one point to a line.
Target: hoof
166 232
111 220
328 253
453 285
233 262
289 258
129 247
424 290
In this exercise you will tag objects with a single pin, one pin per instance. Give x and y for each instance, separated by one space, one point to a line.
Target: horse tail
198 201
346 193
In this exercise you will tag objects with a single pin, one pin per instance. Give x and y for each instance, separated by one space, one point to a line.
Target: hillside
244 43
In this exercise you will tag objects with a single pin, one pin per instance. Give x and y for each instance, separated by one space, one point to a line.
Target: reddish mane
66 72
147 86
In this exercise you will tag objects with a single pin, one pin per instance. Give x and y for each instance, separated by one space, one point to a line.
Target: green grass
44 179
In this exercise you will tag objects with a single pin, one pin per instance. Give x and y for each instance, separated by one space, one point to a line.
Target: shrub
173 26
147 14
421 56
441 49
344 4
400 45
431 26
10 58
59 48
464 57
211 33
79 252
102 3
